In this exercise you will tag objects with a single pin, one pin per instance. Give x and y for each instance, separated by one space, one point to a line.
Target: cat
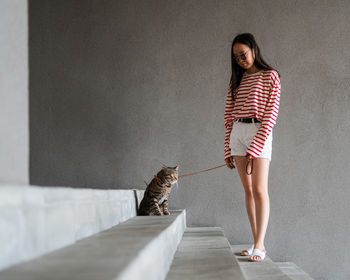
155 199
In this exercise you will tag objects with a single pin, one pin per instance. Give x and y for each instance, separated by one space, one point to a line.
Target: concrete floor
204 253
267 269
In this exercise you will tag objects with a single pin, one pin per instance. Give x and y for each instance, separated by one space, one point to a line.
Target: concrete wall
119 86
14 115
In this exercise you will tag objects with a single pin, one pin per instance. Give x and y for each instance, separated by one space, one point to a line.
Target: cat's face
170 174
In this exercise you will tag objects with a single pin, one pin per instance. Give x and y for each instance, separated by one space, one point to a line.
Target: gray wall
117 87
14 115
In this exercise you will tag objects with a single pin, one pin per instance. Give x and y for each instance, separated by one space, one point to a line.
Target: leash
193 173
205 170
246 168
250 160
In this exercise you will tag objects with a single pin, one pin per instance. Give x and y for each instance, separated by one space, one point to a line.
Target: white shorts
242 135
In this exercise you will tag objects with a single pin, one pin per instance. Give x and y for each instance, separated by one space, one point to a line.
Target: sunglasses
242 56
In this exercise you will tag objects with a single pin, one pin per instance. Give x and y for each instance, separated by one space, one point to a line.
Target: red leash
246 168
205 170
189 174
193 173
249 160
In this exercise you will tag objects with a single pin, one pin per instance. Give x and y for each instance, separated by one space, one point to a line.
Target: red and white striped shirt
258 96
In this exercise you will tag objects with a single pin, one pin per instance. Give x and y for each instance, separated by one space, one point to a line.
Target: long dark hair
237 71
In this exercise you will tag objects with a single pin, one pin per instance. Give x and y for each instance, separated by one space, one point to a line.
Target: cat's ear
176 168
164 166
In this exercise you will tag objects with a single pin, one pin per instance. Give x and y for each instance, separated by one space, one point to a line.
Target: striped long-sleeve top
258 96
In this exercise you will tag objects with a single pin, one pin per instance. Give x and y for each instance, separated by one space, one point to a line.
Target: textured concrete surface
204 253
14 101
37 220
120 86
293 271
262 270
140 248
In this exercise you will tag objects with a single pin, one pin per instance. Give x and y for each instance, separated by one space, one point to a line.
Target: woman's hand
229 162
249 157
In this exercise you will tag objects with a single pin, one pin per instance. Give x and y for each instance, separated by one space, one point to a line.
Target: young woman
251 111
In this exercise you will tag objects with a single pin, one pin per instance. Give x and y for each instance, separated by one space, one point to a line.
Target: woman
251 111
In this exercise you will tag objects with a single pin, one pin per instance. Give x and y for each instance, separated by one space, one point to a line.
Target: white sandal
250 251
257 252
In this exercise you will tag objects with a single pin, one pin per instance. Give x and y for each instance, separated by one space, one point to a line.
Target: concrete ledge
293 271
261 270
204 253
36 220
140 248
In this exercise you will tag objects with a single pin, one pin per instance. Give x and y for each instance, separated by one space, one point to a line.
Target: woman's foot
247 252
256 257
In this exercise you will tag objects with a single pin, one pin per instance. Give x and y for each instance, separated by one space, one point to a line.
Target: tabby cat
155 199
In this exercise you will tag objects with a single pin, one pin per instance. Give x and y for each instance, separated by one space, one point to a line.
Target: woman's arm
269 118
228 121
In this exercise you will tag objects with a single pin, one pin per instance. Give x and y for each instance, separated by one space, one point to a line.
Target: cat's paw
166 212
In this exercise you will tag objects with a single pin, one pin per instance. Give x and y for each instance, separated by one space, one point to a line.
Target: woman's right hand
229 162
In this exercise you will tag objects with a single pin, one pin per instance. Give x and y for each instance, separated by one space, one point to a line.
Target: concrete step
37 220
293 271
261 270
204 253
140 248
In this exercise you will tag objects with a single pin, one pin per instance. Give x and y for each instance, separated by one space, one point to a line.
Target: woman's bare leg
241 162
259 178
